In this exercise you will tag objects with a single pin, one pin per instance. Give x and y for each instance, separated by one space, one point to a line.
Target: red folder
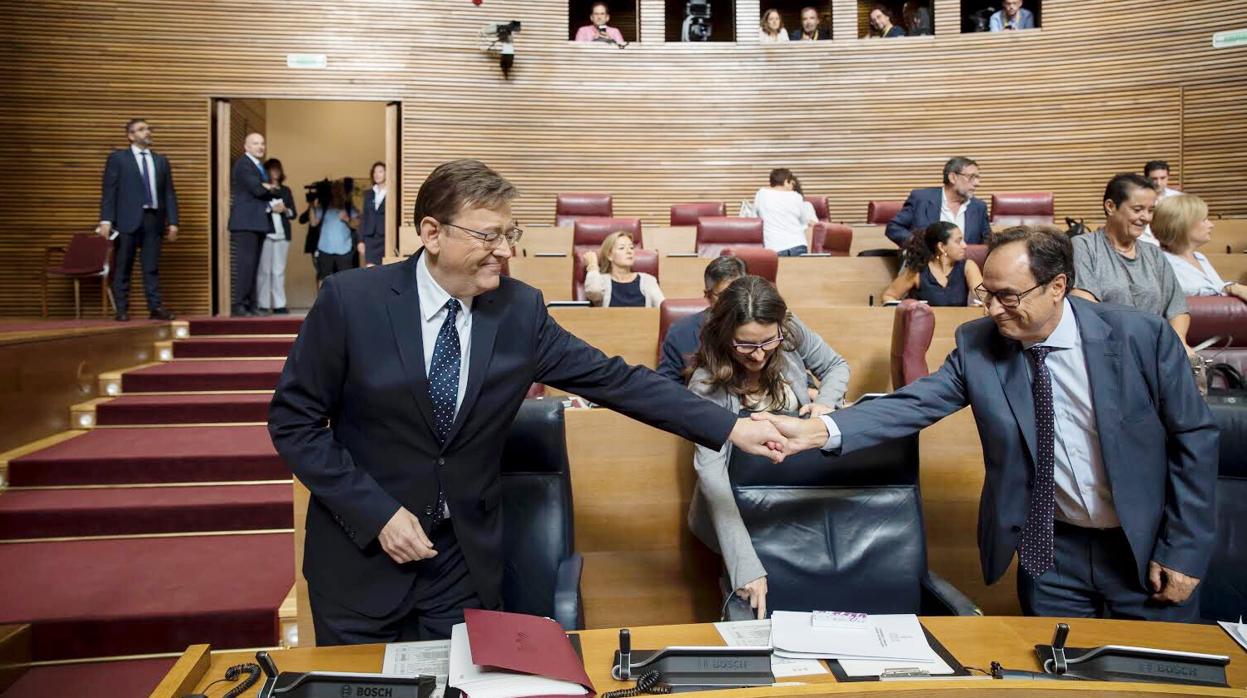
524 644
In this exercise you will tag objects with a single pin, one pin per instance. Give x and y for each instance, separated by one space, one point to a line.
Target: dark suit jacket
372 227
248 207
122 196
683 338
358 364
1157 437
823 34
922 208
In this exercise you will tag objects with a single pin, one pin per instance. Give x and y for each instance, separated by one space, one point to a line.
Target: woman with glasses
935 268
754 357
610 281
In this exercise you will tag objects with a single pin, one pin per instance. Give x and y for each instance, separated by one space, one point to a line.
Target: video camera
696 25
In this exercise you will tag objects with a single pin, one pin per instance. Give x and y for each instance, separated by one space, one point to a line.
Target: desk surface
973 641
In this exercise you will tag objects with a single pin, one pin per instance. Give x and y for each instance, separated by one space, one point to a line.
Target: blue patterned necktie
444 372
1035 551
263 172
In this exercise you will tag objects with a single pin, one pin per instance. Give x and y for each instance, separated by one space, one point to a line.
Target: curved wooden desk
973 641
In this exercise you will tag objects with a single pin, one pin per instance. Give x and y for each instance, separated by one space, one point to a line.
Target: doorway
314 140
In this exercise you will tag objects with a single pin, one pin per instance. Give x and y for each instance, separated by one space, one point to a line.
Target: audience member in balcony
1182 227
810 29
610 281
684 335
754 357
597 29
1111 267
917 18
786 215
954 202
1158 172
881 23
270 282
335 250
1010 17
372 223
935 268
772 30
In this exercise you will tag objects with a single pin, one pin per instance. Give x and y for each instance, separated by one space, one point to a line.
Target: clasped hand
798 434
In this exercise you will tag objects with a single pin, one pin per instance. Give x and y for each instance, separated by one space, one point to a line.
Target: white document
1236 631
889 637
419 658
757 633
484 682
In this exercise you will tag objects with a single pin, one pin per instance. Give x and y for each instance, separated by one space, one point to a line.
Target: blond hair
1173 219
608 246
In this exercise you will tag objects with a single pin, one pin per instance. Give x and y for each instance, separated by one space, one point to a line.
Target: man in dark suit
684 335
252 203
810 29
1101 454
139 205
395 402
954 202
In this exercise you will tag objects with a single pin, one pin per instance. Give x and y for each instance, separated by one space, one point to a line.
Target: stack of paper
486 682
757 633
419 658
883 642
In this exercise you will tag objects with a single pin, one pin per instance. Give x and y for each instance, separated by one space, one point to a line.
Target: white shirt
1196 281
378 197
1083 495
958 217
433 315
784 217
1147 235
143 158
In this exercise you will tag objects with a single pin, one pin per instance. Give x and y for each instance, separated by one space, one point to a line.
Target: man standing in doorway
252 203
138 207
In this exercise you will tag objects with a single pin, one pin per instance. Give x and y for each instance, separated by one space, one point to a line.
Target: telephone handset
688 667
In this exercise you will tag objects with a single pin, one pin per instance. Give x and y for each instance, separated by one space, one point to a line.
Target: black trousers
327 264
1094 576
244 255
148 238
434 604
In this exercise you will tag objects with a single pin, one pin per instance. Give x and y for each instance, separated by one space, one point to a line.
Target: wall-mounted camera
501 36
696 26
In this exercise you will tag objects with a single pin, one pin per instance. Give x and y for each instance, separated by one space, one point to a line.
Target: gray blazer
713 516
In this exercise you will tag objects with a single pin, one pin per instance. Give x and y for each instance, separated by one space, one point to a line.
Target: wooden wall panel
1099 89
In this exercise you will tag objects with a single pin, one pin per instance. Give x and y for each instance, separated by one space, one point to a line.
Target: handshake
776 436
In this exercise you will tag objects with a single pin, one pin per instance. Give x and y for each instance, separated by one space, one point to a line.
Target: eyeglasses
512 236
747 348
1006 298
972 177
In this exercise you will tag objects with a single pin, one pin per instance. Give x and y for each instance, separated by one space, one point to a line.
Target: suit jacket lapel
1011 368
1103 353
404 311
485 318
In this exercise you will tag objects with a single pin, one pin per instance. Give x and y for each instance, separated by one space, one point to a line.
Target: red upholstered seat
673 309
759 261
716 233
688 213
912 329
1022 208
569 207
833 238
882 212
587 236
978 253
820 206
88 256
1224 317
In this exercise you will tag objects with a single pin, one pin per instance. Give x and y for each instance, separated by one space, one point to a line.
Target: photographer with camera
597 29
335 246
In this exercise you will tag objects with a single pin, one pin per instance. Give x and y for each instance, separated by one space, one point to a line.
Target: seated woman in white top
772 31
785 214
1181 226
610 281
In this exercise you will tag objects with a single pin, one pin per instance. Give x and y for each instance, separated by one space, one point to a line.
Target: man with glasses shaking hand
954 202
396 400
1101 455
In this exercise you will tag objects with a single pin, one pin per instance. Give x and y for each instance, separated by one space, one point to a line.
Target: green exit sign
306 60
1230 39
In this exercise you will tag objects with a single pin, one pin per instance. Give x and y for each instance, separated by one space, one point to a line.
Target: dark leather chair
88 256
834 239
646 261
673 309
1223 591
913 326
569 207
1022 208
881 212
843 533
759 261
820 206
1224 317
978 253
542 570
689 213
716 233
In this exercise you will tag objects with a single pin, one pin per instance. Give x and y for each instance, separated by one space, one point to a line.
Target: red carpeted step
131 678
226 347
92 598
283 324
152 455
189 408
221 374
129 510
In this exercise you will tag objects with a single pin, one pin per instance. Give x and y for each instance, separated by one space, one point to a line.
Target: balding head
254 145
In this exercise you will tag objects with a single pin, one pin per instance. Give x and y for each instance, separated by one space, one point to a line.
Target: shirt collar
432 296
253 158
1065 336
948 204
137 150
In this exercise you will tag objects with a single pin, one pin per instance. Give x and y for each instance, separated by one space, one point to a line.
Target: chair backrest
978 253
689 213
759 261
1223 593
592 230
537 529
881 212
673 309
715 233
843 533
86 254
646 261
913 326
569 207
820 206
835 239
1022 208
1224 317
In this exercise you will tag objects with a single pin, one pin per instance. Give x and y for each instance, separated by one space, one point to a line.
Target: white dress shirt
143 158
785 216
1083 495
1197 281
958 217
378 197
433 314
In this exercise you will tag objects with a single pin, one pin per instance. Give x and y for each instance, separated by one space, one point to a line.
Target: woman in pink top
597 29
